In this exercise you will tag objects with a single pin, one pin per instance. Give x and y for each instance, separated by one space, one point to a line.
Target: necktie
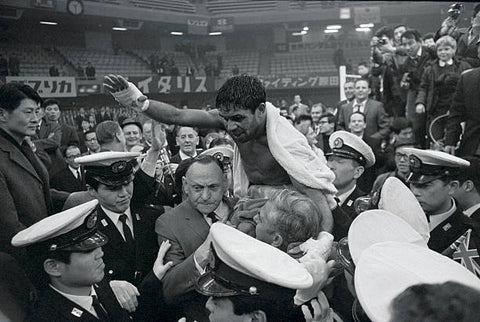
357 108
213 217
101 313
126 230
79 177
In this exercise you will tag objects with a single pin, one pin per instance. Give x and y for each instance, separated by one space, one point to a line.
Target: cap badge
415 162
92 221
338 143
53 247
253 290
119 166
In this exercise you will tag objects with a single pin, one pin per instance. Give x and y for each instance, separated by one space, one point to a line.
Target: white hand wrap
129 98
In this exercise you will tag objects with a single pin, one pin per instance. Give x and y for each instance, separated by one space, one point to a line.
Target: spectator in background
190 71
377 122
467 39
412 70
132 130
103 115
187 140
326 126
91 142
235 70
316 111
52 115
298 108
3 66
92 121
14 64
398 31
53 71
374 82
438 85
428 40
90 70
303 124
70 178
387 60
64 70
349 89
80 71
81 116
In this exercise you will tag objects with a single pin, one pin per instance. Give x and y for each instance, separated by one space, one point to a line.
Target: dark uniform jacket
120 262
52 306
64 180
446 233
343 215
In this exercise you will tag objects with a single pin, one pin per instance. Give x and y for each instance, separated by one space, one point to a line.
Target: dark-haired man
243 112
326 126
70 178
24 182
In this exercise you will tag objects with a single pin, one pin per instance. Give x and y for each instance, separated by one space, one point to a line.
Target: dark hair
241 92
412 34
428 35
221 141
36 257
450 301
88 132
180 173
385 31
72 146
476 9
107 131
362 80
399 124
398 26
50 101
472 172
279 309
363 63
12 94
303 117
330 117
360 113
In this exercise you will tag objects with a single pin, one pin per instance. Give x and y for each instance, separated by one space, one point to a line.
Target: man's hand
158 136
450 149
420 108
203 251
321 310
126 294
159 269
125 93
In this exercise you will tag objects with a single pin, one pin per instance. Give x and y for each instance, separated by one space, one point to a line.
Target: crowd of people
248 211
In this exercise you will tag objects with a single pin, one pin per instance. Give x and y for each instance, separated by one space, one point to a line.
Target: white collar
469 212
74 171
116 217
344 196
436 220
419 52
221 212
443 63
355 102
184 156
85 301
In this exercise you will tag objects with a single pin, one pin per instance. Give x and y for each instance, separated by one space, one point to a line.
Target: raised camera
454 10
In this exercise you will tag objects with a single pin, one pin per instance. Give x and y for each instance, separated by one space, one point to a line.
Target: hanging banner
174 84
48 86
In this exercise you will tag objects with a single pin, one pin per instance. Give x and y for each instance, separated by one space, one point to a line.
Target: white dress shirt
184 156
436 220
85 301
344 196
361 106
115 218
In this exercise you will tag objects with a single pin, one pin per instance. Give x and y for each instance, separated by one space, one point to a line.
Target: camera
454 10
381 42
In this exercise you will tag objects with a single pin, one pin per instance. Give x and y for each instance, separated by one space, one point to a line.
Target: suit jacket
51 145
22 194
69 137
465 109
120 262
415 67
64 180
377 121
186 229
53 306
468 52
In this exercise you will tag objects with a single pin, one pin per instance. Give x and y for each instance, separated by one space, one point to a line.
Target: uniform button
110 272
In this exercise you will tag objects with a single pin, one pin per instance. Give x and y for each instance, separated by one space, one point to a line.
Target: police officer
243 279
133 242
433 181
65 251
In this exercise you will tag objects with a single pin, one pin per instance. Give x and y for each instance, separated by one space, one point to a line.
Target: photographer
387 59
467 38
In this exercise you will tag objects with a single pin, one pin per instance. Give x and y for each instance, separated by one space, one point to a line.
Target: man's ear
453 186
53 267
3 115
358 171
261 109
468 185
117 136
277 240
258 316
184 184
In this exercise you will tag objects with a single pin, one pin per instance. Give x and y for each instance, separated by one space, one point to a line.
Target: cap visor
96 240
418 178
114 183
208 286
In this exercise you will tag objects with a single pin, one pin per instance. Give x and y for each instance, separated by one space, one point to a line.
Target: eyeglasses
91 140
73 156
401 156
